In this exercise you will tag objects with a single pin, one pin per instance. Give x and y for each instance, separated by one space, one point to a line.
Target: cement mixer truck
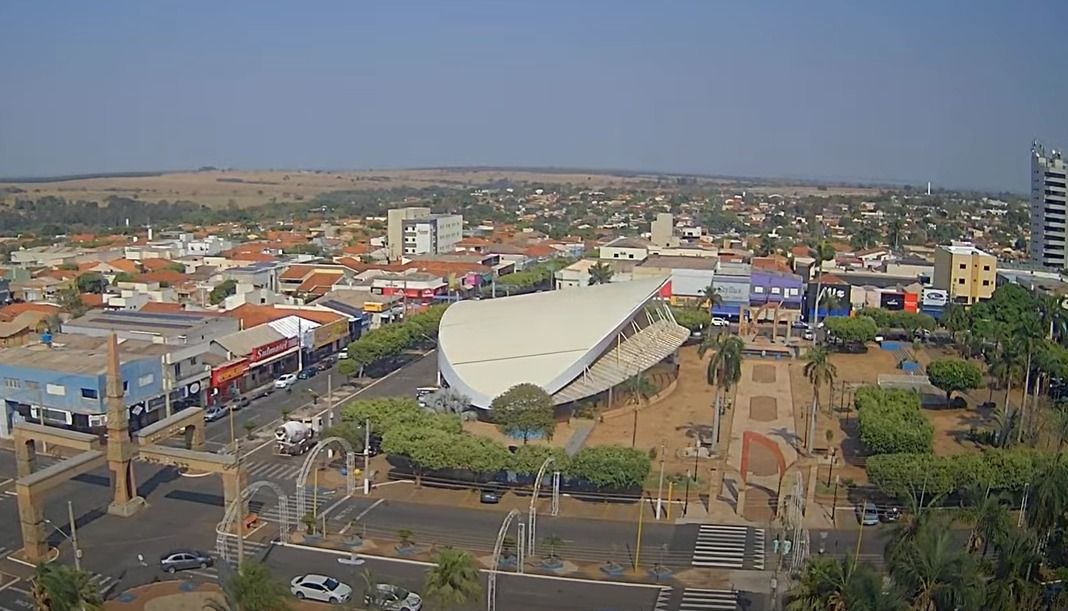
295 437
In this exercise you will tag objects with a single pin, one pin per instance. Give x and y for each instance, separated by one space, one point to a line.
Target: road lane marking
368 510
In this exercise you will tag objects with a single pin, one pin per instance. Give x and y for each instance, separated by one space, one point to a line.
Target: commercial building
573 344
966 273
1048 207
662 231
62 381
689 276
417 231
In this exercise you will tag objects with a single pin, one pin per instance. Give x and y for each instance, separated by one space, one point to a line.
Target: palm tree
600 273
453 581
1054 317
841 585
640 389
1048 498
988 517
935 572
1026 339
1004 364
822 251
894 230
1016 562
712 297
820 370
252 588
59 587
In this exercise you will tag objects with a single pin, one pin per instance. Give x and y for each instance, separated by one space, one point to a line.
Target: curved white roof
485 347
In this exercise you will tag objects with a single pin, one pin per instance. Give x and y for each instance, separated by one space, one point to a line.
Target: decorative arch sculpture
749 438
222 531
309 463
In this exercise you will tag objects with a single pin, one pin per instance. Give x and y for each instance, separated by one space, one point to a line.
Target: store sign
892 301
330 333
226 373
935 297
266 351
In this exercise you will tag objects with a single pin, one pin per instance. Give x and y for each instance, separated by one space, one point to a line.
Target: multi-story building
1048 207
416 231
966 273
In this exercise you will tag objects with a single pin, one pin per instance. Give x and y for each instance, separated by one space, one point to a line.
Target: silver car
869 515
394 598
184 559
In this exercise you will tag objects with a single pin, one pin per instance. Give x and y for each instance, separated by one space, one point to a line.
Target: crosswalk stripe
700 599
758 558
720 546
663 599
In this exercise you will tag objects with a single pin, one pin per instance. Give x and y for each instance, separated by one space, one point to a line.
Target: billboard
892 301
935 298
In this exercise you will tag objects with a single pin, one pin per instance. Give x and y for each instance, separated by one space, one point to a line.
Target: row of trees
536 276
436 442
900 319
389 341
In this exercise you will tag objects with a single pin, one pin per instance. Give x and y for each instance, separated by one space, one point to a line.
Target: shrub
1000 469
852 329
891 422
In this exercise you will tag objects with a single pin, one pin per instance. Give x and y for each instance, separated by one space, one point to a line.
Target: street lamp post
834 503
72 537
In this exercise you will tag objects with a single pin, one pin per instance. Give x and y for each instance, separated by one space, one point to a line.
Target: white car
395 598
718 321
285 381
321 588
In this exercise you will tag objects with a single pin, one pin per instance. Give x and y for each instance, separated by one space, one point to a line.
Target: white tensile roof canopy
548 339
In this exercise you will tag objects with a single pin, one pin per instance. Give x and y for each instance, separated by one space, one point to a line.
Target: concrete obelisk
121 450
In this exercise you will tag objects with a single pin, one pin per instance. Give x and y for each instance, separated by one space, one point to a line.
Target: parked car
184 559
719 321
320 587
394 598
869 515
215 412
344 354
285 381
308 373
490 495
807 334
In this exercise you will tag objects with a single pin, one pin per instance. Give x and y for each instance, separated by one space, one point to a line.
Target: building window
986 268
963 266
960 280
758 289
56 389
11 383
615 255
31 385
986 283
775 290
89 393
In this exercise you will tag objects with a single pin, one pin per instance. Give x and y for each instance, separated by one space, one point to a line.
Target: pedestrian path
720 546
663 599
286 471
103 583
701 599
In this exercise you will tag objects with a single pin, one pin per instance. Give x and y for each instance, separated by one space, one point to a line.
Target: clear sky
951 91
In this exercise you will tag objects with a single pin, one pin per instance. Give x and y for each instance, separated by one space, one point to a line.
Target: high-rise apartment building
416 231
1048 207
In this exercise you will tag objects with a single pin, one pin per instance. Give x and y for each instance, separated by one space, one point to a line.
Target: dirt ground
673 423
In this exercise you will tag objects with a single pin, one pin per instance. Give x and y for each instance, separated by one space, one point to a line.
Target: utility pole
74 537
237 499
329 400
300 347
660 485
168 384
366 456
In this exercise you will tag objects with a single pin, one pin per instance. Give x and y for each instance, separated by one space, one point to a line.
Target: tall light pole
72 537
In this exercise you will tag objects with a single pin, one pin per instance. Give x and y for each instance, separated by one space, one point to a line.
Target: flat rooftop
168 324
79 354
680 262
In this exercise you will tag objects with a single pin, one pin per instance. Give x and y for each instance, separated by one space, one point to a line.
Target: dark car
490 495
184 559
307 373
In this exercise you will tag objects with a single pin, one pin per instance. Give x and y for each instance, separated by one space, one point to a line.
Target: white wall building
1048 207
417 231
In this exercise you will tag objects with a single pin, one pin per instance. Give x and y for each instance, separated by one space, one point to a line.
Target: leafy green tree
600 273
348 367
425 449
125 277
856 329
349 430
91 282
70 301
819 369
693 319
613 467
890 421
60 587
524 410
453 581
954 375
252 588
894 228
221 291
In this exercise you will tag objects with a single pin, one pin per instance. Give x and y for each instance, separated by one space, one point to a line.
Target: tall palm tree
822 251
453 581
1004 364
1026 340
600 273
935 572
1048 498
894 229
820 370
60 587
988 516
712 297
1054 317
640 388
252 588
828 584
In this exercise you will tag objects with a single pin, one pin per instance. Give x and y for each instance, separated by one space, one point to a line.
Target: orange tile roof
540 250
125 265
319 282
801 251
92 300
162 307
154 264
357 249
252 315
252 256
9 312
297 272
832 279
320 316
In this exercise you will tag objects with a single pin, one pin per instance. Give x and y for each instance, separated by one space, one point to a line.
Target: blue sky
911 90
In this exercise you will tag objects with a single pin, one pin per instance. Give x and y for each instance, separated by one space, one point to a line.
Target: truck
295 437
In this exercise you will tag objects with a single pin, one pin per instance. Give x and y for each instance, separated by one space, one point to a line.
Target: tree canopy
852 329
524 410
954 375
221 291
